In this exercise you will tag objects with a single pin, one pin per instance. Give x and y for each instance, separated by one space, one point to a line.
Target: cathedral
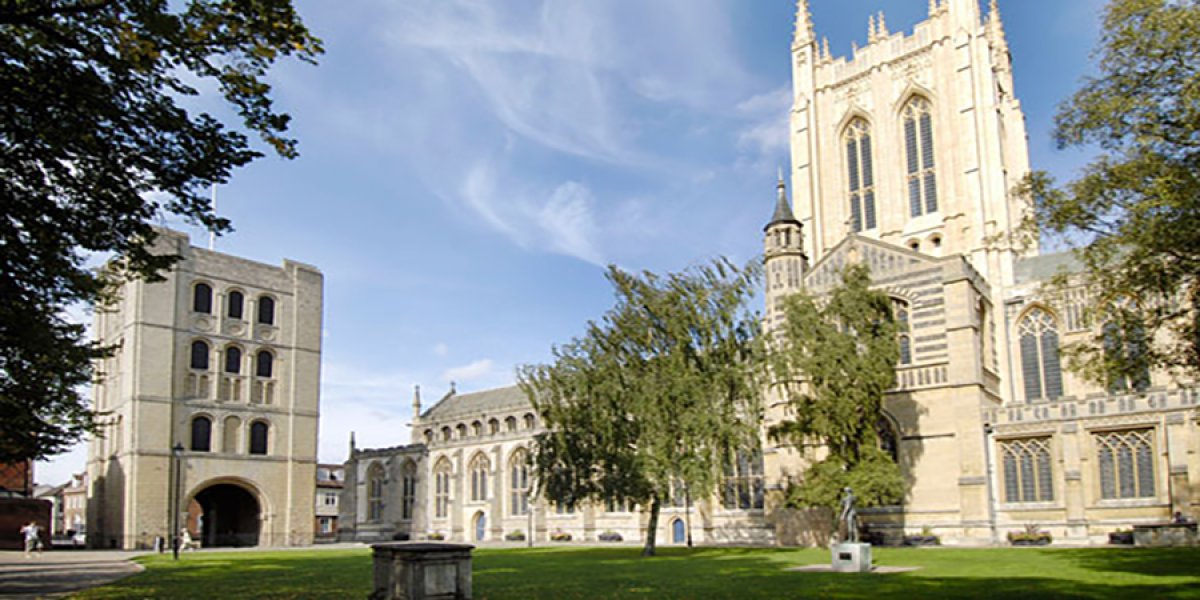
904 156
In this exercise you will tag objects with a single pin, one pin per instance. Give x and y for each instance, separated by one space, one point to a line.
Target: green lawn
617 572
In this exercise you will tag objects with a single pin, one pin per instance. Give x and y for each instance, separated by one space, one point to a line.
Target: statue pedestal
851 557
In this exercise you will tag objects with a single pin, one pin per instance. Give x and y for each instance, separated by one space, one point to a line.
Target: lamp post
177 461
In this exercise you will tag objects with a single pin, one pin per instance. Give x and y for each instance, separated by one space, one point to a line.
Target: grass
562 573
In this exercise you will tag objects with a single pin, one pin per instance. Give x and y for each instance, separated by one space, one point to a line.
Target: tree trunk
651 529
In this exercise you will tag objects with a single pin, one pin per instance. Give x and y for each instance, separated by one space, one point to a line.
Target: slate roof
1045 266
475 404
783 208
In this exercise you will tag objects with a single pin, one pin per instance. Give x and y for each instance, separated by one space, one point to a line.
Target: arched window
233 360
231 430
258 437
518 483
199 355
266 310
493 426
479 478
1126 460
530 421
1125 346
446 433
743 486
904 336
375 492
408 489
510 424
264 364
918 149
861 174
428 436
202 298
476 429
201 434
1040 366
461 430
1027 473
441 475
234 304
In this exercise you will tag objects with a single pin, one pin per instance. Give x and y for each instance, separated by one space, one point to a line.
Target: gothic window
266 310
861 174
1126 460
900 313
201 434
1125 346
258 437
408 489
529 421
233 360
199 355
510 424
428 436
493 426
476 429
918 149
1027 473
461 430
518 483
202 298
264 364
234 303
479 478
446 435
743 485
375 492
1038 332
441 475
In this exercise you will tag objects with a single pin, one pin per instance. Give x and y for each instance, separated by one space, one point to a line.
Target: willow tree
1133 213
834 357
656 397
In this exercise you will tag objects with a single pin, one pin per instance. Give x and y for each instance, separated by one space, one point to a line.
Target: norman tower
222 360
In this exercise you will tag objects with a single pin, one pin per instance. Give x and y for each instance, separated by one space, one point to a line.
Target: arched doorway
480 526
229 515
678 535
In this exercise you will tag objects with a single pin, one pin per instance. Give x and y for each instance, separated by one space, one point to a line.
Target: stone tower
785 262
222 361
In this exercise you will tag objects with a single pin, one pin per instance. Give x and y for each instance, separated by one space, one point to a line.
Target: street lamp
177 460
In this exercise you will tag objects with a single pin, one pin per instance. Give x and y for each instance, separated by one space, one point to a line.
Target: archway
678 535
228 515
480 526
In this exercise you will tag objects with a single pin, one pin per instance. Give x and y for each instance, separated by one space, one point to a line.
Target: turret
783 248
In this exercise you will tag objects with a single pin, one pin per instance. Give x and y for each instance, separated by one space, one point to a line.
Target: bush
1030 537
515 535
927 538
610 536
560 536
435 537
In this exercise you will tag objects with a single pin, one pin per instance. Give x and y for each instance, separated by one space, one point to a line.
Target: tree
657 397
95 143
1134 211
834 358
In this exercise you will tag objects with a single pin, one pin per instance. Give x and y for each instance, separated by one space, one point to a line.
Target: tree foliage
660 393
1134 211
95 143
834 358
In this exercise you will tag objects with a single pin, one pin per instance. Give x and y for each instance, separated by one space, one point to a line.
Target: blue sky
468 168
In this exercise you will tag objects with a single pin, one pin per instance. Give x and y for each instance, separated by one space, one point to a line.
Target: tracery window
518 483
918 149
861 174
408 490
375 492
441 475
1040 366
1126 460
479 478
743 486
1028 476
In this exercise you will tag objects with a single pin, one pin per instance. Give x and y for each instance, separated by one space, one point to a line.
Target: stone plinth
851 557
422 571
1166 534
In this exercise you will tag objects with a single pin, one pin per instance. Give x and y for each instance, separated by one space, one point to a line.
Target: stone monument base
851 557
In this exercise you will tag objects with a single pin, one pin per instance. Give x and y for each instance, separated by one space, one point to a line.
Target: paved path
59 572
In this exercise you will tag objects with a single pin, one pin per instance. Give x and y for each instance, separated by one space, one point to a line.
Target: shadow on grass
618 572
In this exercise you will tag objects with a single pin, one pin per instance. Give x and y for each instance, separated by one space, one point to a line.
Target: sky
468 168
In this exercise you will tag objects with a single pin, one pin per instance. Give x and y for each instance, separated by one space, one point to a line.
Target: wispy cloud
477 370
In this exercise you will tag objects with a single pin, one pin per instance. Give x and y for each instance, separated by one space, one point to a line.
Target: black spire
783 208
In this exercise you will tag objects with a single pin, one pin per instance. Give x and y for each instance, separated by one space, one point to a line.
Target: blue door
480 527
677 533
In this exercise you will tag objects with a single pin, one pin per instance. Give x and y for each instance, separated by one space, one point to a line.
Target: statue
849 516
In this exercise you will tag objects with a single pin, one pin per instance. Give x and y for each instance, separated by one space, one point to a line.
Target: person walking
33 539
